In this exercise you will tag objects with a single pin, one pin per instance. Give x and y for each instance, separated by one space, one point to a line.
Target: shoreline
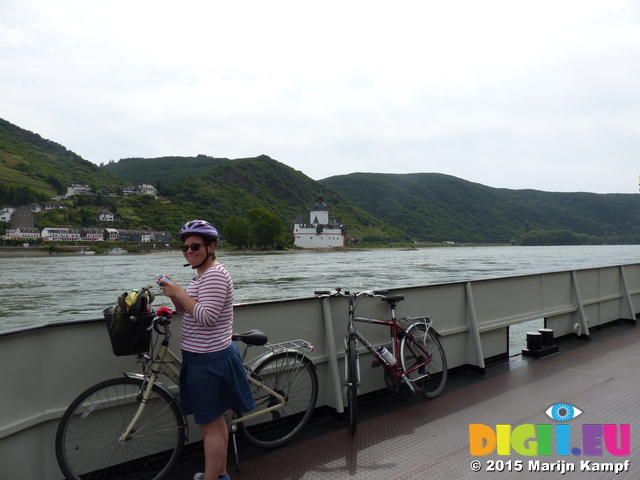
67 251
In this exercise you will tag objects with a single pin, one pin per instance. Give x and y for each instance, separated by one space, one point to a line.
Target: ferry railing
51 364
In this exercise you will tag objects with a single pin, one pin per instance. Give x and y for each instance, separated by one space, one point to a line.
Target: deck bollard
547 337
540 343
534 341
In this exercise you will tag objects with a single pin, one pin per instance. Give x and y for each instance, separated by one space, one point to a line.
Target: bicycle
417 357
132 427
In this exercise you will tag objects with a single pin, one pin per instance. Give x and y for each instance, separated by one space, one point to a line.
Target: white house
53 206
322 231
105 216
60 234
35 208
145 189
77 189
5 214
22 233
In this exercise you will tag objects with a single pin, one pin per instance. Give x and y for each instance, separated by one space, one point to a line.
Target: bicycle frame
167 363
397 333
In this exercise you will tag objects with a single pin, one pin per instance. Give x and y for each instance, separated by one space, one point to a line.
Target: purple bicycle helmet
201 228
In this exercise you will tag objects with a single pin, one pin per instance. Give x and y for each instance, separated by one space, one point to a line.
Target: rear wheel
419 345
88 442
352 383
294 377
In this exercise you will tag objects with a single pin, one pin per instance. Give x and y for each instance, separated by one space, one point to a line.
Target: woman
213 378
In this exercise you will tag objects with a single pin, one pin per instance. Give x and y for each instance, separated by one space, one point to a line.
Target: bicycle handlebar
162 317
339 293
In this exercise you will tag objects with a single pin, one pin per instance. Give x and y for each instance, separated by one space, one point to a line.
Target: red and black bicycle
417 357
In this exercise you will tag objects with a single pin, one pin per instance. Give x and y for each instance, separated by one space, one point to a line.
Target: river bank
148 249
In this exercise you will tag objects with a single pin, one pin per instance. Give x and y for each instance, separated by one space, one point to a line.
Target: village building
5 214
143 189
53 206
322 231
91 234
51 234
110 235
22 218
25 233
134 236
105 216
35 208
77 189
161 237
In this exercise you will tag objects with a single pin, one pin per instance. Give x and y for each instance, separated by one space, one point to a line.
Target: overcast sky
513 94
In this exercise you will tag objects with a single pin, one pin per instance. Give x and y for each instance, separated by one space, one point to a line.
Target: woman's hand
170 290
178 295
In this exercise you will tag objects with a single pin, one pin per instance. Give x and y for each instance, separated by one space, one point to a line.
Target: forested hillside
230 188
436 207
30 162
425 207
163 171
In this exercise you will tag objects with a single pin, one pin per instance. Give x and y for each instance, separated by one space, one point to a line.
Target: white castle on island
323 231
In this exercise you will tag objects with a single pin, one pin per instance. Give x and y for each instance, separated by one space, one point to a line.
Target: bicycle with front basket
132 427
417 357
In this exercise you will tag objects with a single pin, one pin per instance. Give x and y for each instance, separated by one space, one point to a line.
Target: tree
236 231
264 227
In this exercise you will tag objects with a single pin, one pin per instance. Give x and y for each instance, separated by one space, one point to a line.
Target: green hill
166 170
436 207
44 167
425 207
232 187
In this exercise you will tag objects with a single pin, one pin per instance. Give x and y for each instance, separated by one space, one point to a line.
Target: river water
42 290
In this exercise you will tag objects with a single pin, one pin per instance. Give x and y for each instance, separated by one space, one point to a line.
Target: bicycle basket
128 327
128 331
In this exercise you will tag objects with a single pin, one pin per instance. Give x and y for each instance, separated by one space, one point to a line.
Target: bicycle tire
87 444
293 376
352 383
429 380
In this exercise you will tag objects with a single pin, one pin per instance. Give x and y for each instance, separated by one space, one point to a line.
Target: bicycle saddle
252 337
393 298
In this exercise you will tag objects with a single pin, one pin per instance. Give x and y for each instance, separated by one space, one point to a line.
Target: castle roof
320 205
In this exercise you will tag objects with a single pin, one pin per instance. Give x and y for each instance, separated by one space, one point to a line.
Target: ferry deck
400 436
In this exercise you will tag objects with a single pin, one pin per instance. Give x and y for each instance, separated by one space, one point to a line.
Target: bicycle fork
346 362
126 435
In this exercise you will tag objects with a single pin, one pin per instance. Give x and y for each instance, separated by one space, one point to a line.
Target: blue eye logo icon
562 412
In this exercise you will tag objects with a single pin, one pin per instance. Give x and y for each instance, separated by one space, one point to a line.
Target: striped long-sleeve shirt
210 326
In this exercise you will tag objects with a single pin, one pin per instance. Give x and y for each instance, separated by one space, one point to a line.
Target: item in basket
131 298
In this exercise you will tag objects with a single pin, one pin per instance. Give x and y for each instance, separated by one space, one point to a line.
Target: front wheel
292 376
88 443
418 346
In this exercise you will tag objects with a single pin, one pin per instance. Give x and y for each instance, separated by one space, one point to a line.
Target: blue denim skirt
212 383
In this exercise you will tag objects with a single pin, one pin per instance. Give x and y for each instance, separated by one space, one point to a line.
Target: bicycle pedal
375 364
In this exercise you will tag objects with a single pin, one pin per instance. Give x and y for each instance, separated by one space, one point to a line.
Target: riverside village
321 231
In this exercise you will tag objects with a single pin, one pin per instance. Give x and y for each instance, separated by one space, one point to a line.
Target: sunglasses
194 247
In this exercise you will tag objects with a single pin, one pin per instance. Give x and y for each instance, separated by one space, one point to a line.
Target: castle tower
320 212
322 231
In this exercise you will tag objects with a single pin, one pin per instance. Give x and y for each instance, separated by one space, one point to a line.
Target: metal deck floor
401 437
